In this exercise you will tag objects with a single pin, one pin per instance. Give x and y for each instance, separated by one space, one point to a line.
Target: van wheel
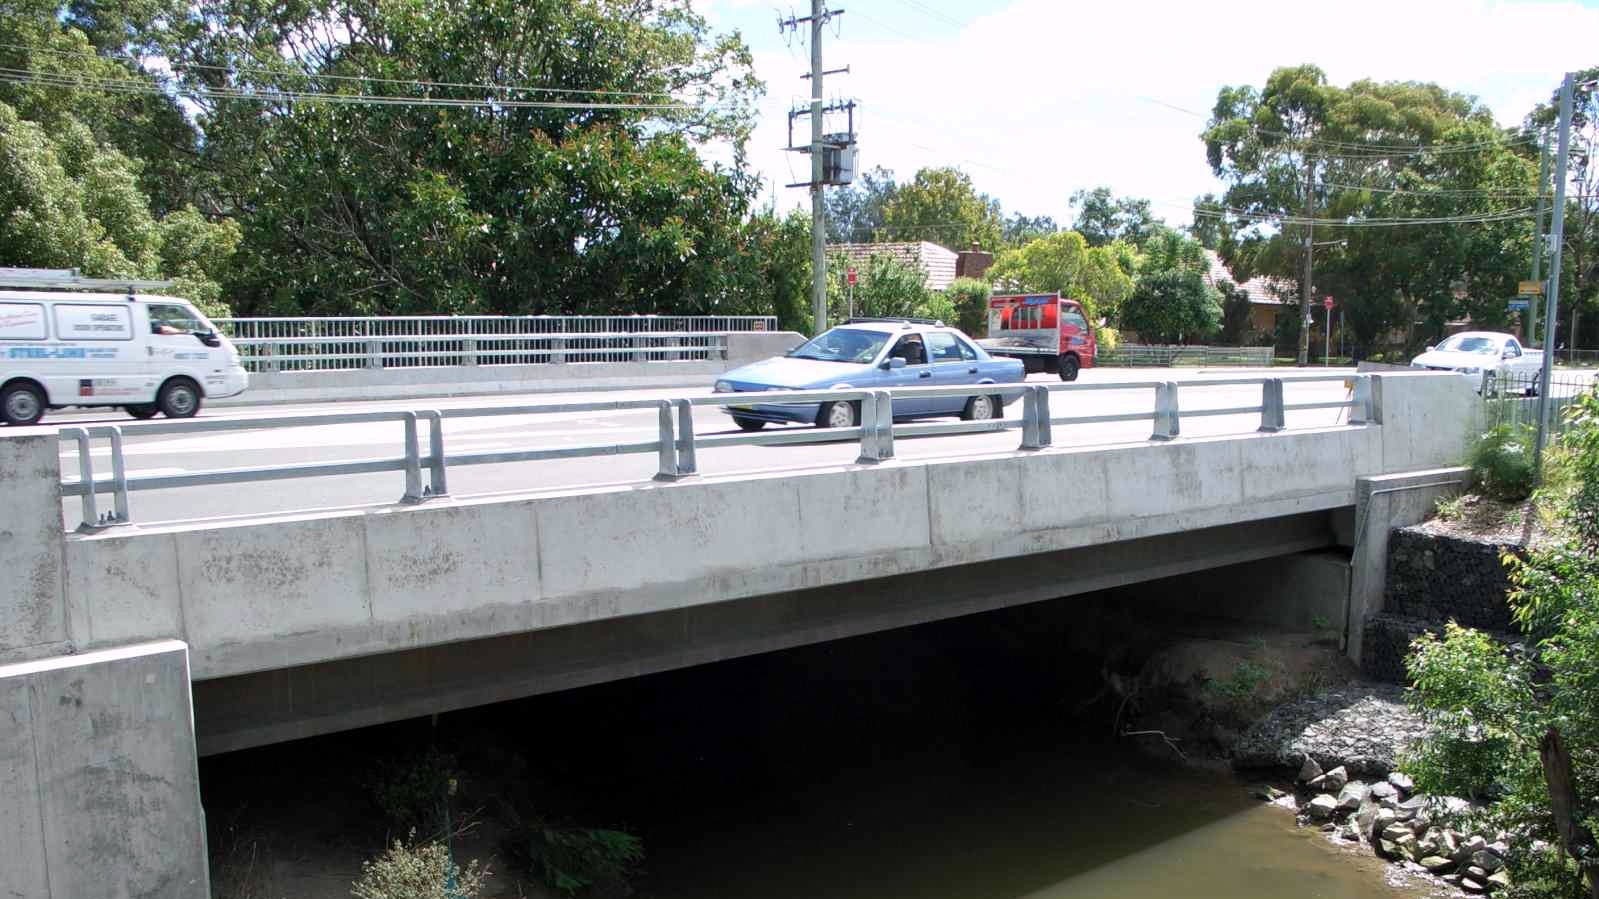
179 398
141 410
1068 366
22 403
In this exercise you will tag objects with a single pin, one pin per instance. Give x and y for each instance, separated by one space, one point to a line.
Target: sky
1035 99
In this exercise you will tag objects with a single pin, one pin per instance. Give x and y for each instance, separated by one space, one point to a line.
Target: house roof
935 262
1262 291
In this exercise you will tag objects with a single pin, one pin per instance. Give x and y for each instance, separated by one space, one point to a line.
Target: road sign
1520 304
852 277
1530 289
1327 303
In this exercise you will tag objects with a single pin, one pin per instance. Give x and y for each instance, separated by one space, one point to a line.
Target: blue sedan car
874 354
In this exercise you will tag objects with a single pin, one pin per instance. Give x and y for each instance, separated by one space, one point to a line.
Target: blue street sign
1520 304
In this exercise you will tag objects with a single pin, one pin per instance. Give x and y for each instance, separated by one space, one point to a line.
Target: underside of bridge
285 704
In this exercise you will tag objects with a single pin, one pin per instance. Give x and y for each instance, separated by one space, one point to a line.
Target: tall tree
940 205
1363 160
855 212
1102 217
1020 229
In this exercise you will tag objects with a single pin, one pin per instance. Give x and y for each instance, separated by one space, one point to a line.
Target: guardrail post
374 354
1362 413
686 463
1272 418
413 462
666 444
86 502
722 341
885 424
469 355
638 349
869 446
1037 431
119 479
437 486
1168 424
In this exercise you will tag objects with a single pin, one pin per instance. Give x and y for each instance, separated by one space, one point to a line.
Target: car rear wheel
748 424
179 398
980 408
142 410
22 404
837 415
1068 367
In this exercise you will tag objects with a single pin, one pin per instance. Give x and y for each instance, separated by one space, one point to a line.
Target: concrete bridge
127 652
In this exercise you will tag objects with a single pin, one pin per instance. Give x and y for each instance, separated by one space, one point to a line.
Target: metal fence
676 445
346 343
1511 398
1130 355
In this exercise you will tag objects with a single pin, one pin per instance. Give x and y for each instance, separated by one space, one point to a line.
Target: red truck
1046 331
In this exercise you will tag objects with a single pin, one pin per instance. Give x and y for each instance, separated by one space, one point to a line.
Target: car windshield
1470 345
842 345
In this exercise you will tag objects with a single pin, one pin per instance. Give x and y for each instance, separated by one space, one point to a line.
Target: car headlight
722 387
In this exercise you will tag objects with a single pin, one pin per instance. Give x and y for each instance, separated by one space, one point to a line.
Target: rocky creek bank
1344 744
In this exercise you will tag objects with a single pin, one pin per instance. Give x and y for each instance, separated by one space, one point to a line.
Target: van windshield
171 318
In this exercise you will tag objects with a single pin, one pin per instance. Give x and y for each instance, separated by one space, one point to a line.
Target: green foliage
422 871
940 205
1102 218
1241 684
574 860
884 287
1501 463
1169 250
854 213
1173 307
1235 314
1490 707
970 299
413 790
1065 262
1579 452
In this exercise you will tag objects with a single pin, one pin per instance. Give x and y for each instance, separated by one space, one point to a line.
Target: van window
22 321
170 318
98 322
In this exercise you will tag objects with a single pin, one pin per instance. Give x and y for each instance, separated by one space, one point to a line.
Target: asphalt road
283 446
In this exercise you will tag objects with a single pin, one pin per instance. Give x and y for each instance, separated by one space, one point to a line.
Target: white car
1474 353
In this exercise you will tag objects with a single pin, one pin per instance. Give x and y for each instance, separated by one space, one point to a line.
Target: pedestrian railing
1512 398
425 460
1135 355
351 343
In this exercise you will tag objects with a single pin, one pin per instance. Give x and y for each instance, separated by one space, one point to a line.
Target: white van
142 353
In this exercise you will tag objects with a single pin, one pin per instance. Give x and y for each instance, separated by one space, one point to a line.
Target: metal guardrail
348 343
676 445
1131 355
1511 398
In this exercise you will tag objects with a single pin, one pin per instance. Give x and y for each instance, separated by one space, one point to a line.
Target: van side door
94 359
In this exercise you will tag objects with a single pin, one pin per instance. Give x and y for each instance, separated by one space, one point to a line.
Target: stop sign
852 277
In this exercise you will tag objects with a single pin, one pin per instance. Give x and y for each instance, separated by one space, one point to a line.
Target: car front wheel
748 424
837 415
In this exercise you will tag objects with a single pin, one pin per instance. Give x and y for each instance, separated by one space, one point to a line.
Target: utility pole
821 172
1537 242
1558 232
1305 320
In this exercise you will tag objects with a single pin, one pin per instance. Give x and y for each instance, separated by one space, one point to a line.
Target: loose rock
1332 781
1351 796
1309 771
1383 790
1437 864
1402 782
1322 807
1487 861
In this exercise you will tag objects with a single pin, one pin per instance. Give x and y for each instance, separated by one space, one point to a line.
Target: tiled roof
1262 290
936 262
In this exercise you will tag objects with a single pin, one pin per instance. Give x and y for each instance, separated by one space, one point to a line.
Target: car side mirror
209 338
1430 348
893 362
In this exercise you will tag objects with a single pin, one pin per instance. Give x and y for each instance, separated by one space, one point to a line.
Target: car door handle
972 370
924 374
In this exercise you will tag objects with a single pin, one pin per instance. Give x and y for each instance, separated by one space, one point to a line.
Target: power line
933 13
275 95
1283 219
1376 150
511 88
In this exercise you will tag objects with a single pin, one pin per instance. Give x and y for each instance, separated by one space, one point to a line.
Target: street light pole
1558 232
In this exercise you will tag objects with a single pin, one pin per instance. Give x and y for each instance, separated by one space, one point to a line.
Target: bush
412 791
1501 463
417 872
970 298
574 860
1173 307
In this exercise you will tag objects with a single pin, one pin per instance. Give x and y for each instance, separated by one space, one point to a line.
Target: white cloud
1043 97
